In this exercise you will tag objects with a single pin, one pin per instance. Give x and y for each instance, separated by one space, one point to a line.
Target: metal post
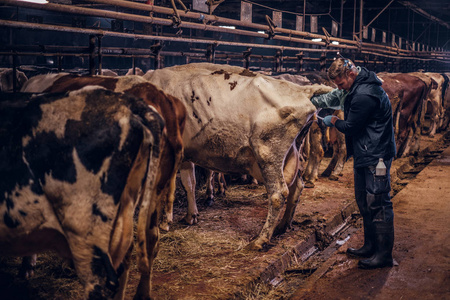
60 57
14 73
92 55
361 20
304 15
300 61
156 50
99 53
211 53
342 17
247 55
278 61
323 62
354 17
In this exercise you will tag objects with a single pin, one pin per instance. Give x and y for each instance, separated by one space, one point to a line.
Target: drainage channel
315 262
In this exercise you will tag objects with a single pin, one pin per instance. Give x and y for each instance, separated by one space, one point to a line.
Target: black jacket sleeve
361 109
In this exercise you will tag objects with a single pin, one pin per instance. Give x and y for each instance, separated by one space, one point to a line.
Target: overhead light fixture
35 1
261 31
317 40
335 42
229 27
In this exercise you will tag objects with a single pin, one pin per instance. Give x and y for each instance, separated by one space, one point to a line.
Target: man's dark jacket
367 125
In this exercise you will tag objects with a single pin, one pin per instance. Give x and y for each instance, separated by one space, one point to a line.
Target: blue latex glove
327 121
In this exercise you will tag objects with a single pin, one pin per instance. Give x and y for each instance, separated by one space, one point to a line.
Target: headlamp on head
348 64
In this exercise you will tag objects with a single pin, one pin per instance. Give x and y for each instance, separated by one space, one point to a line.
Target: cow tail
422 107
147 205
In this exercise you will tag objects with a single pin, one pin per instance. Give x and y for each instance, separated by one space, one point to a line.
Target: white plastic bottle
380 169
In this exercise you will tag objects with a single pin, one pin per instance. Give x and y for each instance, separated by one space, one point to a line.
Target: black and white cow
74 169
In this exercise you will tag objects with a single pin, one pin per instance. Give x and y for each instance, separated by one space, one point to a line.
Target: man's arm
333 99
362 108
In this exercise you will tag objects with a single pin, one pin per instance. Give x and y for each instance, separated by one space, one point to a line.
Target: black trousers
372 194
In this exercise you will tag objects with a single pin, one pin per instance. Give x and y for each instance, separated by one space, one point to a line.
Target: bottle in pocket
380 169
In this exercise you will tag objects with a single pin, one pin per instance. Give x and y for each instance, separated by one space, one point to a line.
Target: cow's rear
74 168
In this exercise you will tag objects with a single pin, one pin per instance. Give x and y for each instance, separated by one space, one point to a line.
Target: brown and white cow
172 110
446 102
7 80
427 106
74 169
434 103
406 93
242 122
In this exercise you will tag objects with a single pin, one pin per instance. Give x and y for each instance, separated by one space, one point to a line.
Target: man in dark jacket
369 137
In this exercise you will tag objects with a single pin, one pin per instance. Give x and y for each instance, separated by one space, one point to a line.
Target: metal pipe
188 25
304 15
99 54
361 20
376 17
214 19
152 37
342 18
159 21
91 55
354 17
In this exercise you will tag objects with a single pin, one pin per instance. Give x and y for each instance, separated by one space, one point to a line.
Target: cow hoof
220 194
279 230
191 220
309 184
209 202
333 177
253 247
325 174
26 270
164 226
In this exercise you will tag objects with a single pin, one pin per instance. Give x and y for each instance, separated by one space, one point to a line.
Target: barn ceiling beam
214 19
379 14
420 11
18 24
383 49
160 21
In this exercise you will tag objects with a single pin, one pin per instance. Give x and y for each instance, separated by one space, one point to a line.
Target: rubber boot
368 249
382 257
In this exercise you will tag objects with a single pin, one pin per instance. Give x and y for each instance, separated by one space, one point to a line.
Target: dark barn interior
282 35
252 48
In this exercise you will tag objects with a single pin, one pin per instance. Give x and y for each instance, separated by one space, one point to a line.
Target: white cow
242 122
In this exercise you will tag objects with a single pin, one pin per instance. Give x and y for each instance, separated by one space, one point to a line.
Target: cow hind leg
167 217
187 173
295 190
315 156
27 268
276 202
123 272
277 191
221 183
209 188
331 165
147 254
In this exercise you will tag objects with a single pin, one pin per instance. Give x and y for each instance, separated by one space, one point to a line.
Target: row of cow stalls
90 36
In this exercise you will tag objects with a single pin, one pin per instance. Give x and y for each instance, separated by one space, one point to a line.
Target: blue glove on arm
327 121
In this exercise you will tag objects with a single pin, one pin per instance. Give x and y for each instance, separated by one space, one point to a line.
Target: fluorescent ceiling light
261 31
35 1
316 40
335 42
229 27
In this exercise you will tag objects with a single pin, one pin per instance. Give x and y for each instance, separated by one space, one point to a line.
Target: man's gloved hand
327 121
